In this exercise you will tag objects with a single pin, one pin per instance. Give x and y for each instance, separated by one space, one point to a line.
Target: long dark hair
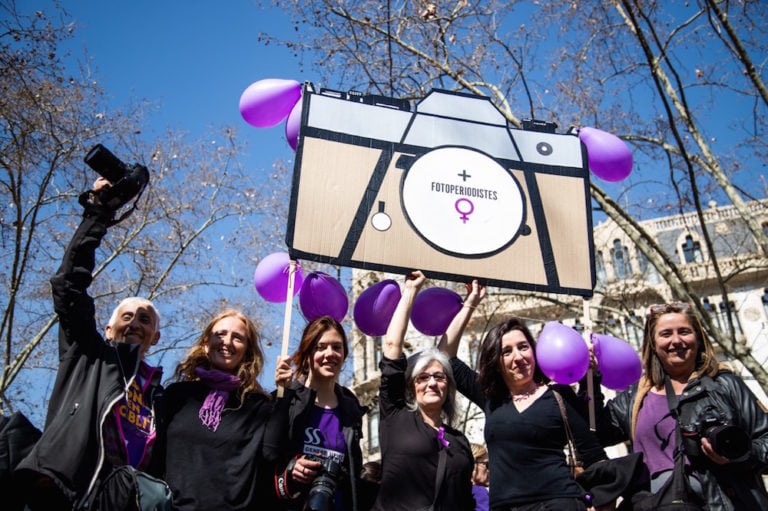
302 358
489 372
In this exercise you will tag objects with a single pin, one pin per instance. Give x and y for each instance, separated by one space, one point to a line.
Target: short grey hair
138 301
416 365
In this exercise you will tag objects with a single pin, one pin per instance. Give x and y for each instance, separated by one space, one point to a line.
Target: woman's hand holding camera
305 470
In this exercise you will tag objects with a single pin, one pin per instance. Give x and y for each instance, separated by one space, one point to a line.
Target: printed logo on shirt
317 443
134 411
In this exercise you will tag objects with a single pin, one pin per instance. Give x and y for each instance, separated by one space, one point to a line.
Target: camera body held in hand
127 181
323 488
727 439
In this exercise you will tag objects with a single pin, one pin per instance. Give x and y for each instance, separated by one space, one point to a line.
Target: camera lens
731 442
100 159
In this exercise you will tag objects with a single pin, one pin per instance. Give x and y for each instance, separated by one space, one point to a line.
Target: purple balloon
267 102
561 353
375 306
271 277
618 362
293 124
323 295
433 310
609 157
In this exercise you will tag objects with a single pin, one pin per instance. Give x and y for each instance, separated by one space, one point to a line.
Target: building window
373 431
647 271
765 302
634 330
724 312
600 266
692 250
712 312
620 260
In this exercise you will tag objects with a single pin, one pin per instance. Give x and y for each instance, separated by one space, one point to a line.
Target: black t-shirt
526 449
215 470
410 450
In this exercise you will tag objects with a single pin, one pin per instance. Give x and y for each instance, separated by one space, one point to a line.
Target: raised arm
71 300
449 342
392 347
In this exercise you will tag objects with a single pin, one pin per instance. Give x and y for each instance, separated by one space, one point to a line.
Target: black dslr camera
320 496
127 181
727 439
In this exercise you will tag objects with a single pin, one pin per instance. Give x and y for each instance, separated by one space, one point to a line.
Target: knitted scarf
221 384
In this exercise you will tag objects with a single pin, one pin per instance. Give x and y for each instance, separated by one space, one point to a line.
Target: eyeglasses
665 308
425 377
482 462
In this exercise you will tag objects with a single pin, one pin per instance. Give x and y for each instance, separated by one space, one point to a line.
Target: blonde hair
250 367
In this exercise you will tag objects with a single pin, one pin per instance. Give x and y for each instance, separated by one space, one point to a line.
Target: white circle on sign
462 201
381 221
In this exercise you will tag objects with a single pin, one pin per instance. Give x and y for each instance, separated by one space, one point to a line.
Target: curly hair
302 358
250 367
706 359
489 370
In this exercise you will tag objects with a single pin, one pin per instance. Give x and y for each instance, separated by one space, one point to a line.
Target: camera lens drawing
450 180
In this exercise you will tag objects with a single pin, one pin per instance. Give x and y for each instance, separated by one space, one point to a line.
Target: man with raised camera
101 409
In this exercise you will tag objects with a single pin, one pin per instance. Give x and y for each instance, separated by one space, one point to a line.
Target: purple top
324 438
480 493
652 419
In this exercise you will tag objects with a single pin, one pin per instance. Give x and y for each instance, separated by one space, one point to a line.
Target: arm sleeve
586 442
753 418
466 382
392 388
71 300
612 418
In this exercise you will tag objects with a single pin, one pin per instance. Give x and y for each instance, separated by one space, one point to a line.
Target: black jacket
285 436
726 487
92 376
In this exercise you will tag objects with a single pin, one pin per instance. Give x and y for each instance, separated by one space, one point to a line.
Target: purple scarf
441 437
221 384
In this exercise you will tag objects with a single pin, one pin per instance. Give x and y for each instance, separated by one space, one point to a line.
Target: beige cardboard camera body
446 187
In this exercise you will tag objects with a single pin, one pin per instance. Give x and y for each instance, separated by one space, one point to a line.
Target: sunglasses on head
664 308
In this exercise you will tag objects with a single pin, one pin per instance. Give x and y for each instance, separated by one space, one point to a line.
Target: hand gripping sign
447 187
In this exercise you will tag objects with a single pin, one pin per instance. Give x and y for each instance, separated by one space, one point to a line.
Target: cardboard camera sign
446 187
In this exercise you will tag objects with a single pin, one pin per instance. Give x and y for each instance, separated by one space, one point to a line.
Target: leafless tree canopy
682 82
191 245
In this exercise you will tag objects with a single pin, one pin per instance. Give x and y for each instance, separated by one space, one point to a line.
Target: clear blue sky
193 57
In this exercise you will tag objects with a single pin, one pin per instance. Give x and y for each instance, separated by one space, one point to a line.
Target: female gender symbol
464 214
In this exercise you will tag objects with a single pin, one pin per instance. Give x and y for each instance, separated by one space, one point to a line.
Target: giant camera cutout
446 187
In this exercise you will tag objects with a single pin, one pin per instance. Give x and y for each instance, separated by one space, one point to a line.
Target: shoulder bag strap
573 453
441 461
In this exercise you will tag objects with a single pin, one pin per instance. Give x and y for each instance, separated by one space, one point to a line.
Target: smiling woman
316 429
427 463
725 427
212 423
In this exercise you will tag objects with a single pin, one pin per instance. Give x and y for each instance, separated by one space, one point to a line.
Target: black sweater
526 450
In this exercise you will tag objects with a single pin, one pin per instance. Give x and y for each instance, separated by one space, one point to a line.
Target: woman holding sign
316 429
525 431
427 464
211 432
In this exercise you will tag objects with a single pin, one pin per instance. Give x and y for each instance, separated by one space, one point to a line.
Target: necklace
525 395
